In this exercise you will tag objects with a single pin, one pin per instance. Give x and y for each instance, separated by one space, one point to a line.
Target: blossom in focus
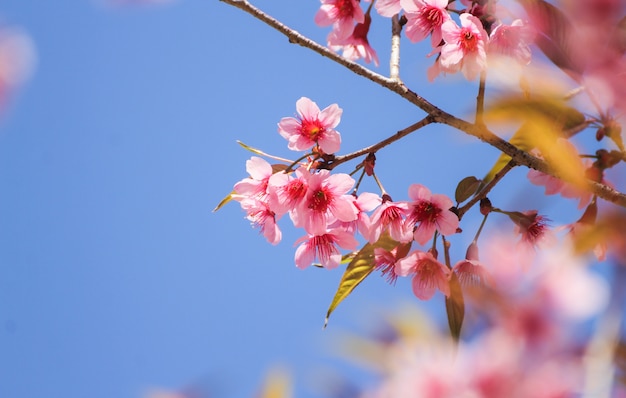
464 48
429 275
324 248
388 8
425 17
355 46
312 127
390 217
386 260
287 193
327 201
342 14
261 216
429 213
254 186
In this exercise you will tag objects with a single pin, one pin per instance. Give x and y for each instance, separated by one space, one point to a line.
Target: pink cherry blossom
388 8
385 260
286 192
261 216
532 228
254 186
327 201
355 46
324 248
390 217
429 213
429 274
464 48
425 17
17 60
312 127
342 14
511 41
365 202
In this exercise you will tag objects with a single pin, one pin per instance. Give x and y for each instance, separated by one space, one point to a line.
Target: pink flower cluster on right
464 47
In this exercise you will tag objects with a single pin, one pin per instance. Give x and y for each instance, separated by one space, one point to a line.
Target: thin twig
394 58
481 132
480 99
483 193
373 148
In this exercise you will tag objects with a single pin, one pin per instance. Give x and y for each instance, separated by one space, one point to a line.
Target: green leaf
466 188
227 199
359 268
345 259
251 149
455 307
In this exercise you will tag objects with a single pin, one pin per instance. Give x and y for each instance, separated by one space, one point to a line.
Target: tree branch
482 133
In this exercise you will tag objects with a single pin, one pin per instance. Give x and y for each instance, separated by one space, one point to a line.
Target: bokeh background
116 278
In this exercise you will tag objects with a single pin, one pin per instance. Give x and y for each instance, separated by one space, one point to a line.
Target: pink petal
258 168
307 108
331 115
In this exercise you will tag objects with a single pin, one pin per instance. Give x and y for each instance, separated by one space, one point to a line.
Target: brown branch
482 133
373 148
483 193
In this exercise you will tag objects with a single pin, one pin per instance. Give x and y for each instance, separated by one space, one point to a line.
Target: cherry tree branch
373 148
481 132
483 193
394 58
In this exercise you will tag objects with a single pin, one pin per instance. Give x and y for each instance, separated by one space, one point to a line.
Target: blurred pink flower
312 127
464 49
17 60
511 41
388 8
429 275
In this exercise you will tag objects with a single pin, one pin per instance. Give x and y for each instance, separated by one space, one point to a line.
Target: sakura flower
288 193
470 271
425 17
365 202
355 46
532 228
327 201
390 217
312 127
429 274
261 216
386 260
388 8
431 213
511 41
324 248
256 185
464 48
341 14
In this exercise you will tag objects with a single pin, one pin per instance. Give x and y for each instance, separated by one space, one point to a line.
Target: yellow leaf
359 268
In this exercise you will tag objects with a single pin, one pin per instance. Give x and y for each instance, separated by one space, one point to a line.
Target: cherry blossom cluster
462 46
334 216
526 345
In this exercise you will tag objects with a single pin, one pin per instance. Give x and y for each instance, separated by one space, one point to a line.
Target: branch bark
481 132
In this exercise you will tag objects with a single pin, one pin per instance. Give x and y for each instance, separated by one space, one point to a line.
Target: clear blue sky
115 276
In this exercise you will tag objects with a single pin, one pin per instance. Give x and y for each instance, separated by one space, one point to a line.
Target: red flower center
425 212
433 15
320 200
345 7
469 41
312 129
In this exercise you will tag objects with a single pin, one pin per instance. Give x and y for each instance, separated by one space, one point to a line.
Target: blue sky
115 276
